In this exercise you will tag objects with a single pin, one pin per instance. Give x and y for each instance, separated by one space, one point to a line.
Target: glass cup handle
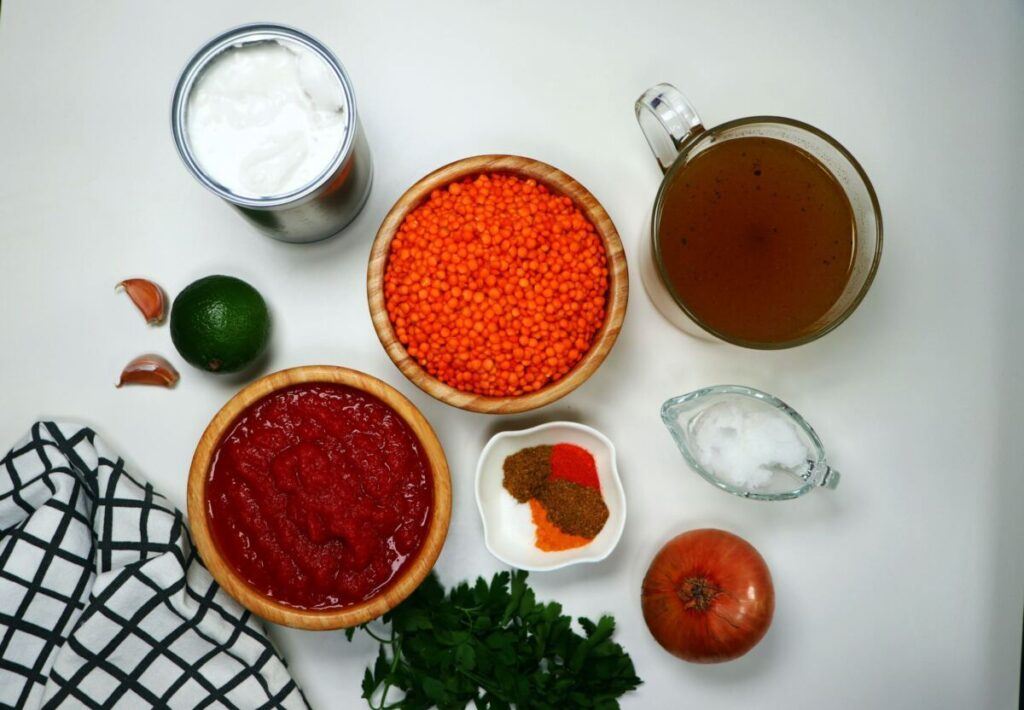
666 119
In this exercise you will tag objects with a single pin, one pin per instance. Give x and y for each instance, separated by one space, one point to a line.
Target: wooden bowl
559 183
313 619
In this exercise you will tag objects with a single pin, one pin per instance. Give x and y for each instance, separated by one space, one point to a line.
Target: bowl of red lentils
497 284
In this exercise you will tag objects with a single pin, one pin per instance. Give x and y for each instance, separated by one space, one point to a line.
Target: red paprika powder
574 463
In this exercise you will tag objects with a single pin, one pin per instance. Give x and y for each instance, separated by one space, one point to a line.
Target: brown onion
708 596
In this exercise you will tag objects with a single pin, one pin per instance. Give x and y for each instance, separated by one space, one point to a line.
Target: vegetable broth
757 239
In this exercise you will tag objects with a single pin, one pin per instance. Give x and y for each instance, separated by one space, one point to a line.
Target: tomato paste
319 495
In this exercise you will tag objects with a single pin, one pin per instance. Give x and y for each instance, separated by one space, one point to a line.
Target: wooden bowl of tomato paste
497 284
319 497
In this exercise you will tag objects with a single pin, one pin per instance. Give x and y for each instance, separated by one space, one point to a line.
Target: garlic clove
147 297
149 370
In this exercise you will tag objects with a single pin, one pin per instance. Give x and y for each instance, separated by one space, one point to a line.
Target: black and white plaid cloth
103 600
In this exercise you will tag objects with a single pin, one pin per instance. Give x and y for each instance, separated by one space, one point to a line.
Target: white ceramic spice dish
508 528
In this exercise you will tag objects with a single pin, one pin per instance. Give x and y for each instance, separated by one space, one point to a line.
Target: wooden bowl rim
254 600
558 182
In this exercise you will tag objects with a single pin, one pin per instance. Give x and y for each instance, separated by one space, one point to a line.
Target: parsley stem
486 686
389 642
396 655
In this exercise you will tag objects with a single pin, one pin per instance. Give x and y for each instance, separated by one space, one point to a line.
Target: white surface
901 589
509 534
266 118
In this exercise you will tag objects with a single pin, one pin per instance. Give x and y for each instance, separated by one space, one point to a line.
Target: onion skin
708 596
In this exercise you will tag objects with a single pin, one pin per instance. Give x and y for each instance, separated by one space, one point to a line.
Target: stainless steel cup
315 211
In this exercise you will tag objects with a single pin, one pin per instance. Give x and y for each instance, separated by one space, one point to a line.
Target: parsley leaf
494 646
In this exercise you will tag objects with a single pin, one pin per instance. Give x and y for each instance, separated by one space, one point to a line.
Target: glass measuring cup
676 135
682 416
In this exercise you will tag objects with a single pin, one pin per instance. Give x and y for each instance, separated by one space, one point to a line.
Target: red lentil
496 286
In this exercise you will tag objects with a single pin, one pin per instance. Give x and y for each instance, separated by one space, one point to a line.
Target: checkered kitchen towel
103 600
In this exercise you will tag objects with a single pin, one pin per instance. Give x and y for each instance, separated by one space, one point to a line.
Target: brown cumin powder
574 509
526 471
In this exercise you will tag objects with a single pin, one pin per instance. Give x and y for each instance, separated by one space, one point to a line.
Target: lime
220 324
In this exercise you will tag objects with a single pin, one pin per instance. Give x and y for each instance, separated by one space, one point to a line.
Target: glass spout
822 475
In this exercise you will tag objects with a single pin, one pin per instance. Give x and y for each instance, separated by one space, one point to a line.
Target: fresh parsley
493 645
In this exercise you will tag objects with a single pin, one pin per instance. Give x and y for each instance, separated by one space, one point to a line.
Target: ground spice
575 509
561 485
574 463
526 471
496 286
549 538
